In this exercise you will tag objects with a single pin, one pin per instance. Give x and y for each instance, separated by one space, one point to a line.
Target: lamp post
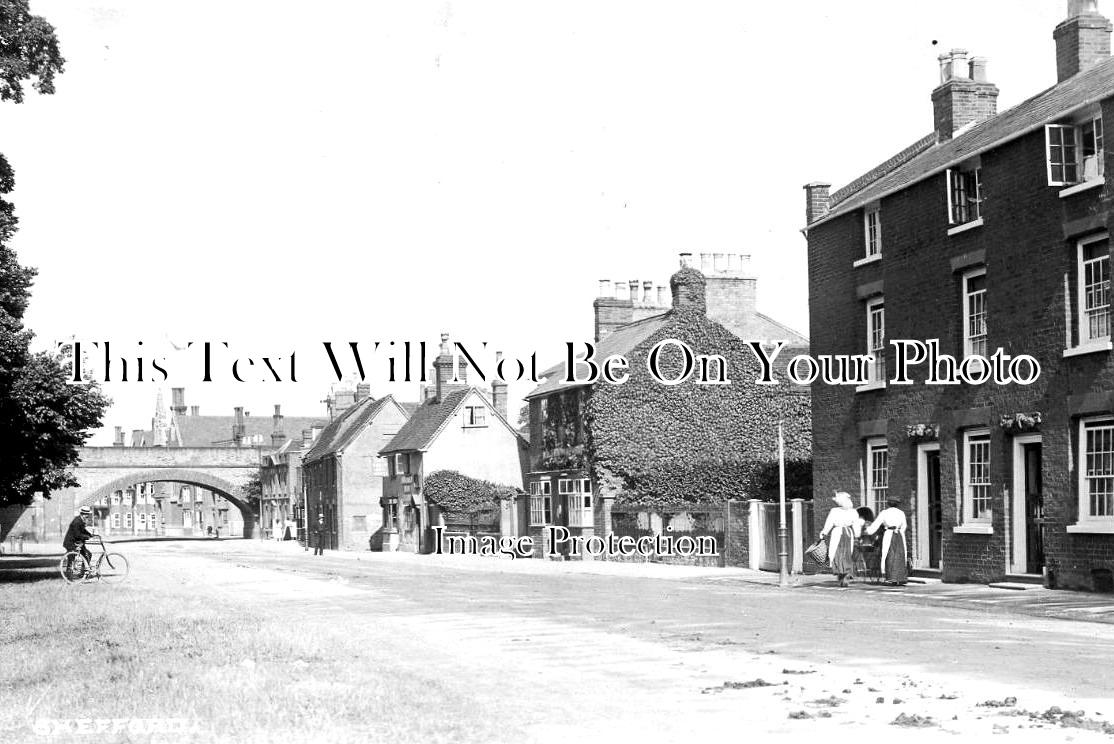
782 532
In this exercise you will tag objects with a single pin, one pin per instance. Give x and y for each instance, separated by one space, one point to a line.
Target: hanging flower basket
1018 423
923 432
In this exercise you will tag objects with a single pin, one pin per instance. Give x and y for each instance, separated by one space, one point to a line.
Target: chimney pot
195 410
978 69
647 293
605 288
307 437
686 260
1082 40
960 100
663 296
622 291
705 263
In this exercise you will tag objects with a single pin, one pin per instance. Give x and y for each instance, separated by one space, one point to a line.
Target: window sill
1086 185
965 226
1092 528
1091 347
973 529
868 260
877 385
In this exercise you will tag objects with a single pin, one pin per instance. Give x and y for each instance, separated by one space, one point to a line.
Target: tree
44 420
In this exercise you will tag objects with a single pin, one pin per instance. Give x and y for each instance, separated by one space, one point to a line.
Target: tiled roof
882 169
1047 107
620 341
340 432
213 431
423 425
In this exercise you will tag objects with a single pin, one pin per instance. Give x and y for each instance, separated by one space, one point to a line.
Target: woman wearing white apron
842 526
894 563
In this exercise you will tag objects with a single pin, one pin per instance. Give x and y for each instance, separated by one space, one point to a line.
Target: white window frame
1074 170
116 520
541 503
127 520
986 516
877 490
475 417
872 231
1088 522
1084 340
877 369
968 338
392 515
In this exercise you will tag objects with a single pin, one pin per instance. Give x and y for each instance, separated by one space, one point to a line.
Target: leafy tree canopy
44 420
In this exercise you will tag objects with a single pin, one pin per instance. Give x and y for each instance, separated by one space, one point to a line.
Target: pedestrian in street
842 527
319 536
895 565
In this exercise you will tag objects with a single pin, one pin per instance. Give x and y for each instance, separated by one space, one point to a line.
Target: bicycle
111 568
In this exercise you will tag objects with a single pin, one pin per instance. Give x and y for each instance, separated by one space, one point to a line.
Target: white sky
276 174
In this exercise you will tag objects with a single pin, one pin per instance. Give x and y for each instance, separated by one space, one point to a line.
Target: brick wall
1027 255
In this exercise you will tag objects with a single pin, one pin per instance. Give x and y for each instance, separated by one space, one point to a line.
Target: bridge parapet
170 457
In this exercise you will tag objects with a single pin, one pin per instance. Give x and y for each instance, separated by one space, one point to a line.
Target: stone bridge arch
228 489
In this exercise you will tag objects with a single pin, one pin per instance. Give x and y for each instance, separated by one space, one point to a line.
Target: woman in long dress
841 527
894 550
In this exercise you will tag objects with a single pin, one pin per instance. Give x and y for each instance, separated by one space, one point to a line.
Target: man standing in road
319 535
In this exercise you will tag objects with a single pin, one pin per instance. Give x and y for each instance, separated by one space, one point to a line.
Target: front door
1034 508
935 511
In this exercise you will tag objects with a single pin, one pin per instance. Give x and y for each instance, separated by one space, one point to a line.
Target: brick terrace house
580 460
456 427
989 233
343 473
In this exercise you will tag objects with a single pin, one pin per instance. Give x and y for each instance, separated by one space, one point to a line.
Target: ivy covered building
597 446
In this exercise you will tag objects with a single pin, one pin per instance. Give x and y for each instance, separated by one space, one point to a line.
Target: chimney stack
278 436
964 96
307 438
1083 40
499 390
611 312
363 391
688 290
443 371
137 437
195 410
817 203
118 439
238 426
178 401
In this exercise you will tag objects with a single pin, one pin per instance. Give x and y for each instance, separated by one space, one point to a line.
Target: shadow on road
25 570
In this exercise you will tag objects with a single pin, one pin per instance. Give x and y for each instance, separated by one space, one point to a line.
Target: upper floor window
876 340
1074 152
977 498
878 467
872 228
475 416
974 313
1094 290
965 194
402 463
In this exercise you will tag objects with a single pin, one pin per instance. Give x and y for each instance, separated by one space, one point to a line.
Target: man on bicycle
78 533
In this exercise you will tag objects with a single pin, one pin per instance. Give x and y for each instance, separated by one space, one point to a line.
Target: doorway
1028 506
930 521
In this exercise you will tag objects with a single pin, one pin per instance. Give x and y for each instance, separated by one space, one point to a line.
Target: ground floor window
977 499
541 503
392 515
878 473
578 491
1096 469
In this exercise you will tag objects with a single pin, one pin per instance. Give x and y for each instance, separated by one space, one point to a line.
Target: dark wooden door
935 512
1034 509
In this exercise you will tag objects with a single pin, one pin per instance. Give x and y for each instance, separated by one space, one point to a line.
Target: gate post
754 542
797 543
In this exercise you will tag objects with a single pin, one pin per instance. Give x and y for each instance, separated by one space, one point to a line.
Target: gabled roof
620 341
340 432
432 415
1077 92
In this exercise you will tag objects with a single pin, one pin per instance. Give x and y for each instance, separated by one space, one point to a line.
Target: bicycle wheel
112 568
73 567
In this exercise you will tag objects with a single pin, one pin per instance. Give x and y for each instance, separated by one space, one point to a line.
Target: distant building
456 427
